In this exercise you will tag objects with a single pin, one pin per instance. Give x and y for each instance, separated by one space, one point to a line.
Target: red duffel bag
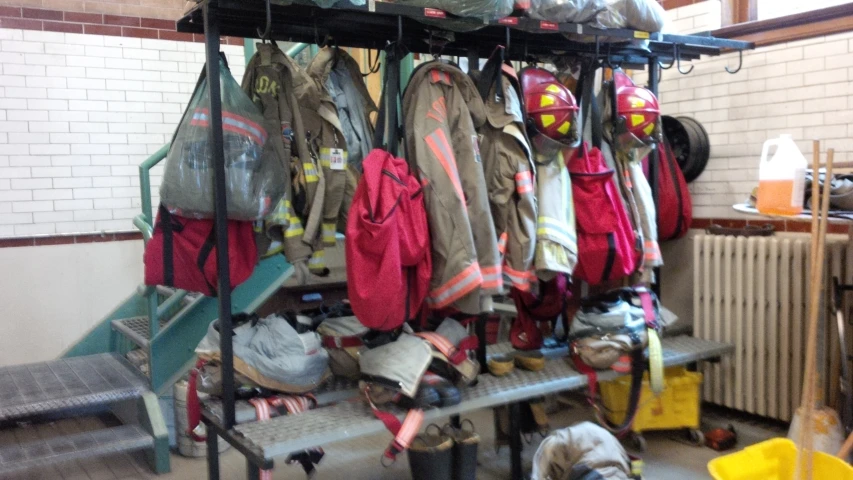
182 253
607 246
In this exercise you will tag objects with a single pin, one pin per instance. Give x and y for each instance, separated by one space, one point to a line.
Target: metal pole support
515 445
654 160
211 40
212 454
481 341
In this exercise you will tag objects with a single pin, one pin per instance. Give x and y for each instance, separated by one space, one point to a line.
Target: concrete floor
669 456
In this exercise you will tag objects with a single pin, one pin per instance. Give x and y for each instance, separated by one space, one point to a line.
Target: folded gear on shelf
272 354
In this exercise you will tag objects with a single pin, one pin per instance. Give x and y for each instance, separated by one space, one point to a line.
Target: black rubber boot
431 456
465 445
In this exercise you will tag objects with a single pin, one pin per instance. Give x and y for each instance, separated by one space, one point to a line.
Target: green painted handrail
145 181
297 49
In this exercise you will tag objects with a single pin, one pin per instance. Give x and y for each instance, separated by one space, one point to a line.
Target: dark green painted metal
172 351
248 49
101 338
145 181
151 419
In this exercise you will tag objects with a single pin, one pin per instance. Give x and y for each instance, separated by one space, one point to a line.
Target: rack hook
265 35
739 64
671 64
610 64
678 62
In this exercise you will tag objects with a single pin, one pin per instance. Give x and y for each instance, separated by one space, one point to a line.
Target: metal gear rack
372 26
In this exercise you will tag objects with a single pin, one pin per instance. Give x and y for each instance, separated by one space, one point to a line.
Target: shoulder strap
388 131
589 104
637 369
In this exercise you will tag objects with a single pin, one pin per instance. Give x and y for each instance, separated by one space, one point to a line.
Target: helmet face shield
552 112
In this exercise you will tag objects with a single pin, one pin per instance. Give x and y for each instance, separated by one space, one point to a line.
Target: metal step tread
352 419
67 383
136 329
77 446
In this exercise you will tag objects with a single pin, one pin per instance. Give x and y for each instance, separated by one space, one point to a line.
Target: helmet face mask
552 113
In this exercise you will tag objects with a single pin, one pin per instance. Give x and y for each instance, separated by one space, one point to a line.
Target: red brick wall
27 18
162 9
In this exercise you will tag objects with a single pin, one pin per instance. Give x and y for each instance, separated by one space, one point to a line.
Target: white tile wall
802 88
78 113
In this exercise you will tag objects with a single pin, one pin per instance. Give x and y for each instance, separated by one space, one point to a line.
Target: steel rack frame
372 26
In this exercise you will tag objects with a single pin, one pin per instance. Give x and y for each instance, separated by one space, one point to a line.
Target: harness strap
454 355
333 342
204 254
403 432
193 404
168 246
637 370
262 409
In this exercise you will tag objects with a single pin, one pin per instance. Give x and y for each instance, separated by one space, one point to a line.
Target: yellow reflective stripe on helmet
637 119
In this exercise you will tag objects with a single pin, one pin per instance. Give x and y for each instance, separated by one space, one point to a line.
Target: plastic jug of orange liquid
781 179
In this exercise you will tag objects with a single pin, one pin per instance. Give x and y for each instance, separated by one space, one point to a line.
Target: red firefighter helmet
551 109
636 109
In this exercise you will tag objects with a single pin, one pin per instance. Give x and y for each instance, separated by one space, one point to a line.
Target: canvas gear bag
388 244
674 206
182 253
606 241
254 176
612 330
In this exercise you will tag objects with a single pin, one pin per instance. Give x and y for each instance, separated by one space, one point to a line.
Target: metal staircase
94 377
79 386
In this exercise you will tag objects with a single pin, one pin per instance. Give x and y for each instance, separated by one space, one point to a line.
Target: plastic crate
775 459
676 407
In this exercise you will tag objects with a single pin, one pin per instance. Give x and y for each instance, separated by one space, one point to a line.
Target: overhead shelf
375 23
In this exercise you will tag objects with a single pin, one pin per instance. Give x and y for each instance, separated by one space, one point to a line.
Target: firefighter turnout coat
510 177
269 83
556 232
442 110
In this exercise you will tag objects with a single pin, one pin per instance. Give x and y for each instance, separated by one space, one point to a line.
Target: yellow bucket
676 407
775 459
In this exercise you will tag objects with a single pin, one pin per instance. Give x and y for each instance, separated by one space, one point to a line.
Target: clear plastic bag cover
646 15
566 11
254 177
488 9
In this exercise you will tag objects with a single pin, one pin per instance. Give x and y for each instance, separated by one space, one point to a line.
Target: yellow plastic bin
775 459
676 407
